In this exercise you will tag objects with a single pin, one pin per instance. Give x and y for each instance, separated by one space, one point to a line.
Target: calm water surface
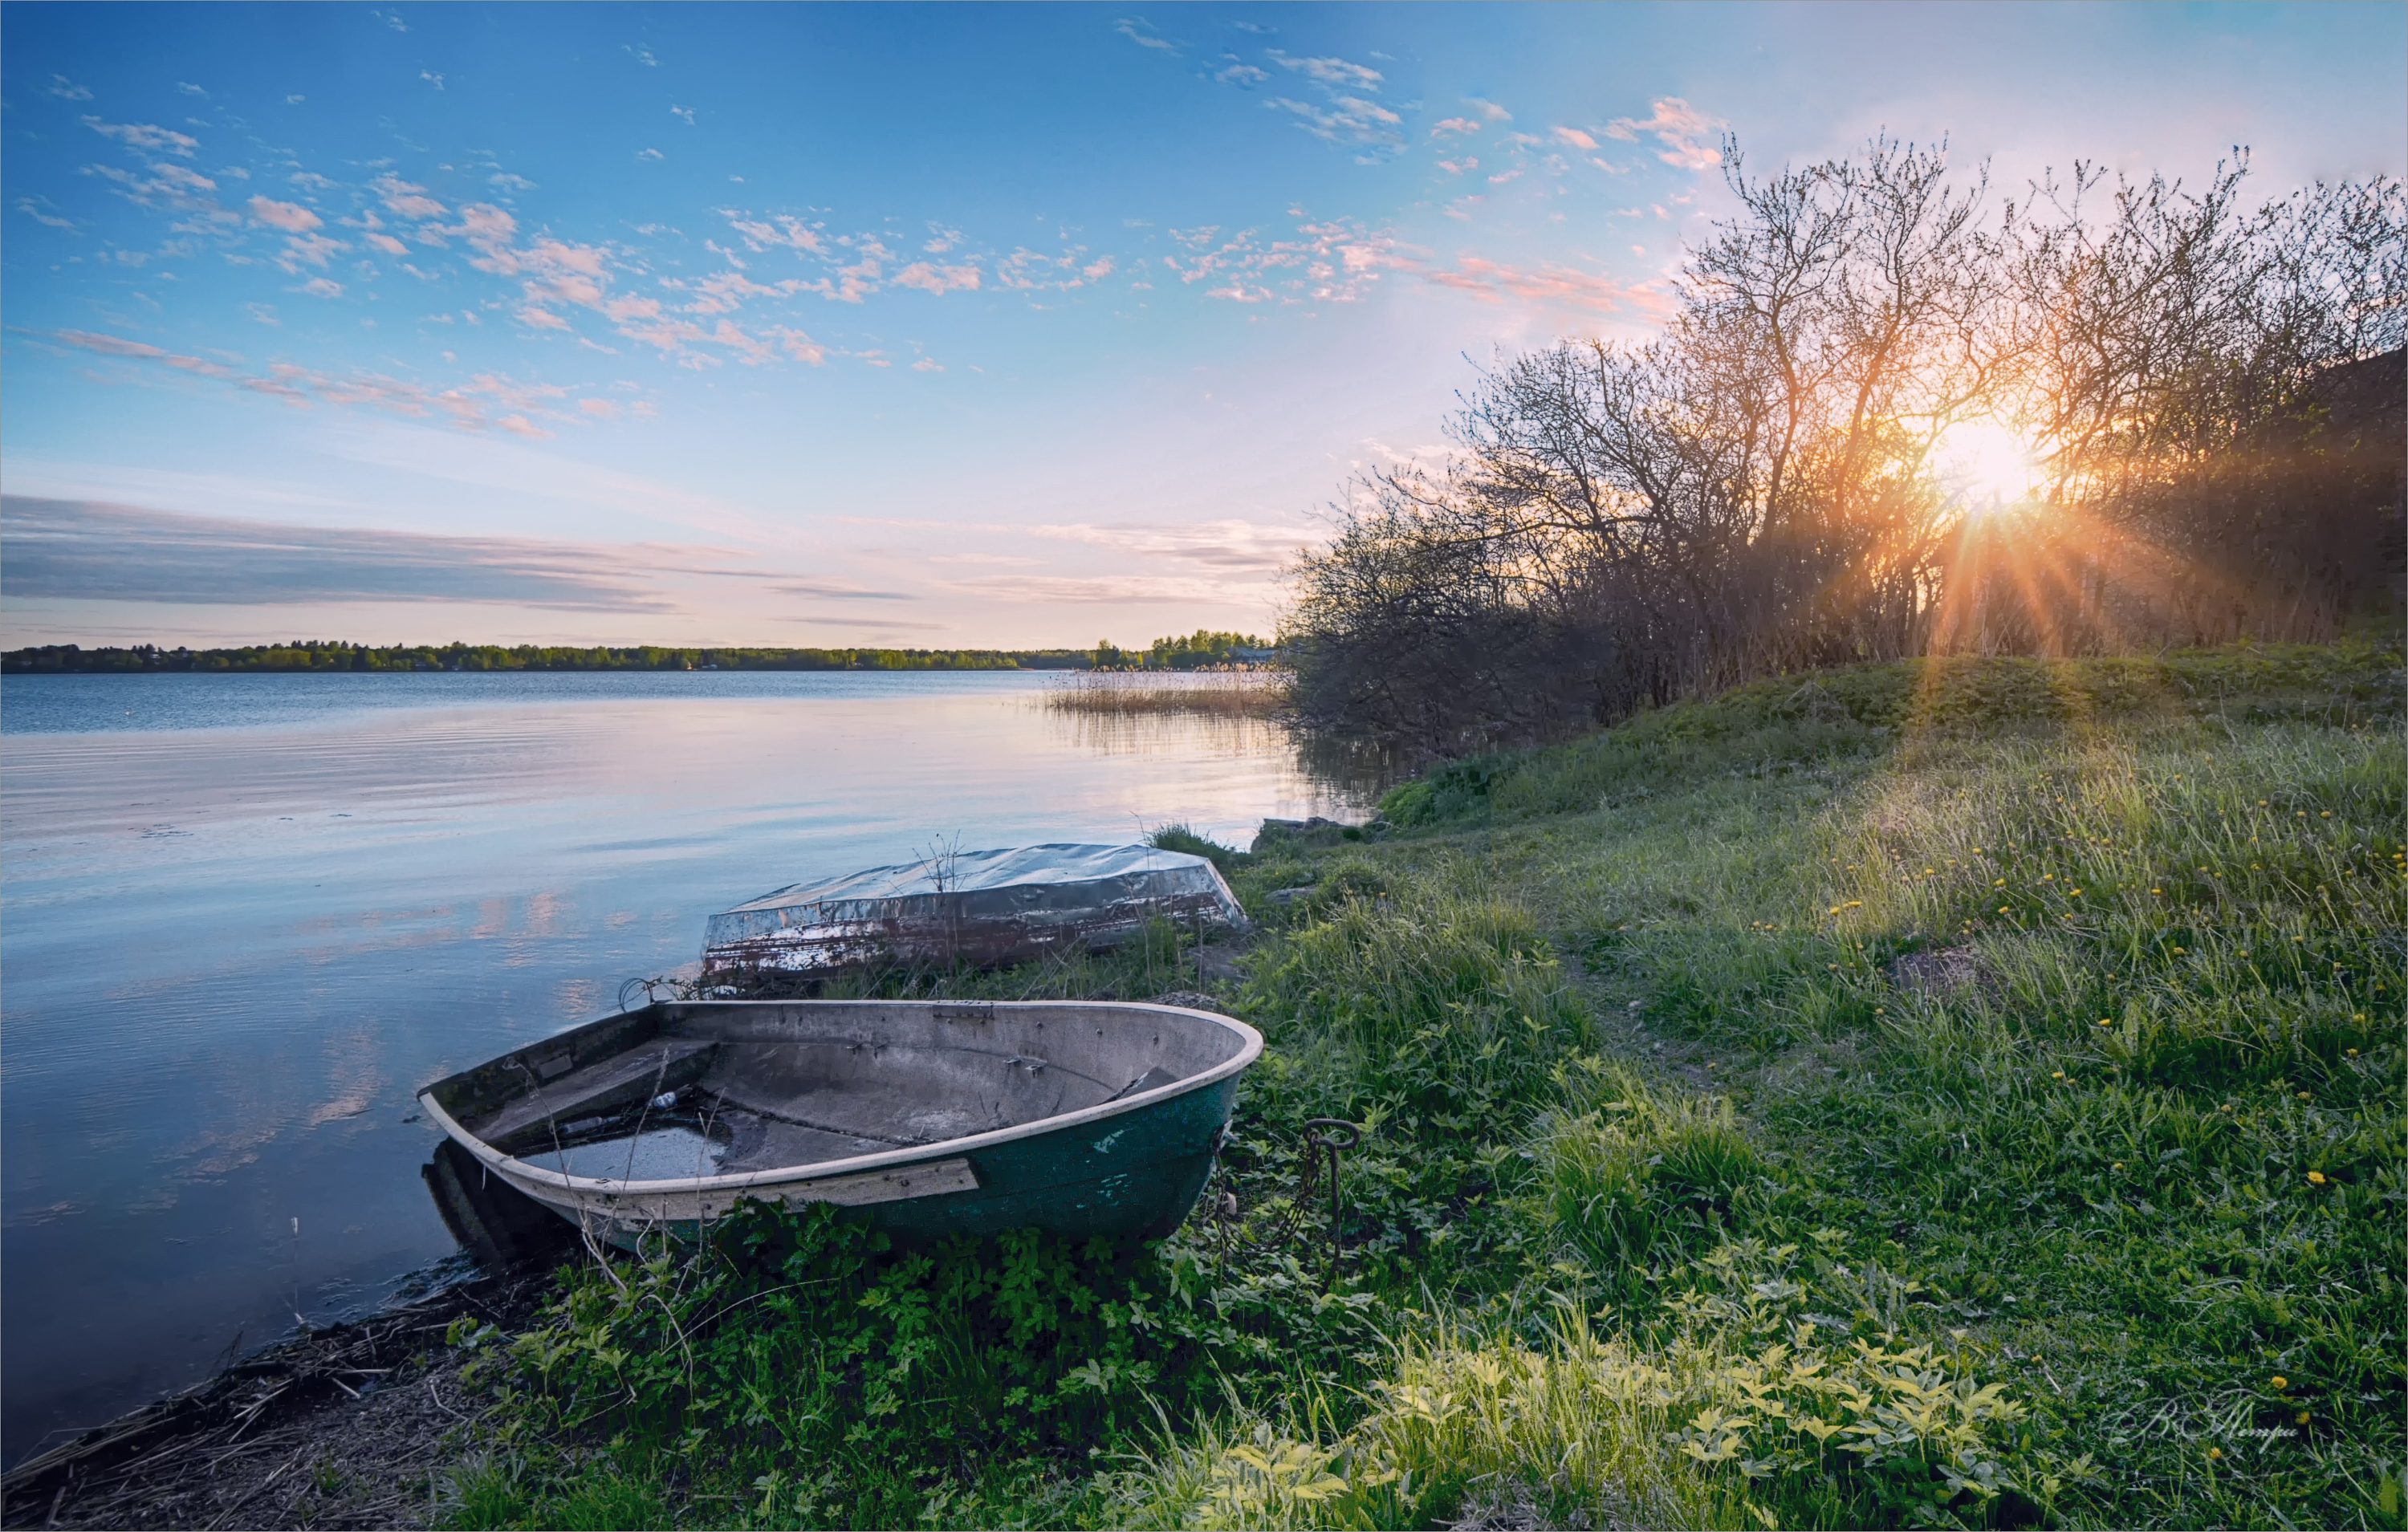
243 918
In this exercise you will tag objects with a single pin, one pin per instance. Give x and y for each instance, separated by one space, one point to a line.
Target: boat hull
1118 1168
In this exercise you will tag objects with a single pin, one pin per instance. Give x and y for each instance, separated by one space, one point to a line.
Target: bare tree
2206 381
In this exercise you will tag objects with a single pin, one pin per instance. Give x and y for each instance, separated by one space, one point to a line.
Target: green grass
1949 1094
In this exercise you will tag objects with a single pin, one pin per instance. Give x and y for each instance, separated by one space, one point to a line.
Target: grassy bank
1958 1094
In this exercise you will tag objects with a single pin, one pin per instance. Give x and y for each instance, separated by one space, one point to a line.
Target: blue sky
910 325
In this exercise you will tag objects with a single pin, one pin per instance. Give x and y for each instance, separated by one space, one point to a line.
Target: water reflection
233 952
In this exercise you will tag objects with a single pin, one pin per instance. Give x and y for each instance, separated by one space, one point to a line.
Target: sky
943 327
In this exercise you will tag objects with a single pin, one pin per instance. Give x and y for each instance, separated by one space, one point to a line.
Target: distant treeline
1202 649
319 654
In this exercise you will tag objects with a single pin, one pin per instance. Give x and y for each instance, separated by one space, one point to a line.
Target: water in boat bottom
657 1154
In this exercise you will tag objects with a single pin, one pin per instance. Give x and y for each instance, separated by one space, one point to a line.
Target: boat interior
680 1089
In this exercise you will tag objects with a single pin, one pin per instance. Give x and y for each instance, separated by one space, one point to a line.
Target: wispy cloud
289 216
1101 590
477 404
1144 35
148 136
1549 283
826 590
1345 115
408 200
43 210
80 550
1680 128
1332 71
67 89
1234 546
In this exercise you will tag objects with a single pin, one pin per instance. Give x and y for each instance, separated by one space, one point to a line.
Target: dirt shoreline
341 1428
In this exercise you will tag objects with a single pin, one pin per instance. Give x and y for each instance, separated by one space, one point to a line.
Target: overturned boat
986 907
935 1118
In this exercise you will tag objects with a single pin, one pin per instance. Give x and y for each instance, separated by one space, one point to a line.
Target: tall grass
1224 693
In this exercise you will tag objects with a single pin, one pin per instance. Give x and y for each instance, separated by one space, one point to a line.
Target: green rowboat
934 1118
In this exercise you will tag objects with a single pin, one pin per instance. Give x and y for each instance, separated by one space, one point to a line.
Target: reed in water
1230 693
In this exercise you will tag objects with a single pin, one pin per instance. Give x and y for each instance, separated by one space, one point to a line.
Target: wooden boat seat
665 1064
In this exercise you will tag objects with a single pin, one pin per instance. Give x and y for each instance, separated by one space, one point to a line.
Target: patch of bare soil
1938 972
343 1428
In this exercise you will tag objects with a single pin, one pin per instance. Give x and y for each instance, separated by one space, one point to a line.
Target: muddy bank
342 1427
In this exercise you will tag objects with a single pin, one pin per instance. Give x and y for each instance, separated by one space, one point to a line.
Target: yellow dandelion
2301 1417
2327 813
2048 878
2215 1454
2156 890
2001 883
2303 1095
2002 910
2315 1177
2059 1075
2178 952
2117 1165
2077 894
2106 1021
2353 1053
2281 1382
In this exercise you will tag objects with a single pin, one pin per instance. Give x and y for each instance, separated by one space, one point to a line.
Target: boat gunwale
1250 1048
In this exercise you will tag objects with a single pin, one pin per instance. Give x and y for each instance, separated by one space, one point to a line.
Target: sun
1983 465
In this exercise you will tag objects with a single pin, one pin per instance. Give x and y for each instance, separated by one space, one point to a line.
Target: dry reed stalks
1229 693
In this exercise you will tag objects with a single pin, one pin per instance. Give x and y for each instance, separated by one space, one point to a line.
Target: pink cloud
541 319
1455 124
600 409
409 201
519 425
307 248
289 216
753 352
1680 128
1575 138
790 232
388 244
320 287
935 279
801 347
105 345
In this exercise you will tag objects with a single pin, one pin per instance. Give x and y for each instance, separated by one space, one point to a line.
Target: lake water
243 918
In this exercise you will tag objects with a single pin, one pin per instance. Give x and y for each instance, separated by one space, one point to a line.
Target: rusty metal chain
1326 1140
